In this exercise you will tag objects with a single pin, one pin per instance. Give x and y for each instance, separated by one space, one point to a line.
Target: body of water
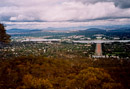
101 41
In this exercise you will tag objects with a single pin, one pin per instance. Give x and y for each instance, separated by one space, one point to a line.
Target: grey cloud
4 18
93 1
118 3
122 3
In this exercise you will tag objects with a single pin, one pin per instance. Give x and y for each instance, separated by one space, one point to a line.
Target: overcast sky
63 13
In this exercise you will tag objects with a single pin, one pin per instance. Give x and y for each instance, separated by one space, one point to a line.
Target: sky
39 14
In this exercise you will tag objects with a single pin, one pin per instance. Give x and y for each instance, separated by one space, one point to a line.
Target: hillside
31 72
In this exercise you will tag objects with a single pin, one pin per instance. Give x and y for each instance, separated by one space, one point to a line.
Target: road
98 49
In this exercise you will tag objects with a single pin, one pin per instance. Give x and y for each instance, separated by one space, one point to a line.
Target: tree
93 78
31 82
4 38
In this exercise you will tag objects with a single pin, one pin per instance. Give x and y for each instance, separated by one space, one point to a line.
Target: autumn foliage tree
93 78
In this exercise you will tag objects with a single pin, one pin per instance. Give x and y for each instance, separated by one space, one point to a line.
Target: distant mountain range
105 30
88 32
22 30
80 28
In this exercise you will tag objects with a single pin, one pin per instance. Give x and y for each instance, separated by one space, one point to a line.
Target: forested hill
44 73
120 32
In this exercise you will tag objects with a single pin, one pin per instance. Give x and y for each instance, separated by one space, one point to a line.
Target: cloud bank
65 11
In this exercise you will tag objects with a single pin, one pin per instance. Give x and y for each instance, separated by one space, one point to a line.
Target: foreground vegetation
29 72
